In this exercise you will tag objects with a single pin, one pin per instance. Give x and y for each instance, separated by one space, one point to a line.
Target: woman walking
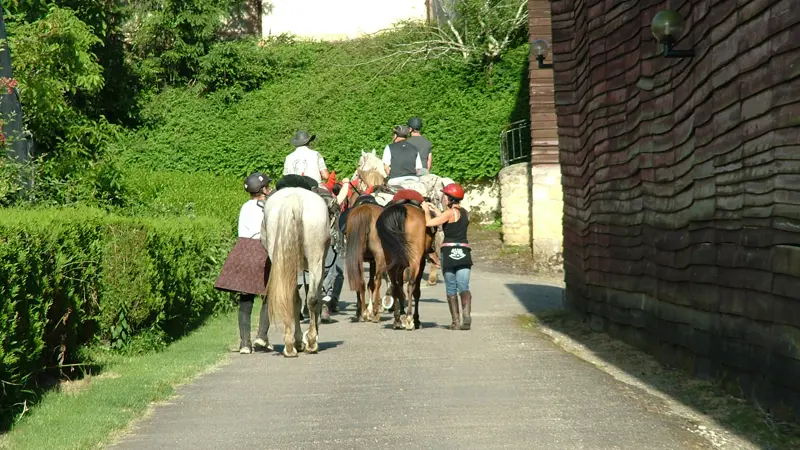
246 269
456 257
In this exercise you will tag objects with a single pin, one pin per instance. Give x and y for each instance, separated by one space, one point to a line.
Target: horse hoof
300 346
312 349
397 325
290 355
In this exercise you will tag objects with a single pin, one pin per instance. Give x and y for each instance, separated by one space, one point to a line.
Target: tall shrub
75 277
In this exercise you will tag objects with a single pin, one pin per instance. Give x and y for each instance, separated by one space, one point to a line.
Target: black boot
245 309
262 341
466 309
452 301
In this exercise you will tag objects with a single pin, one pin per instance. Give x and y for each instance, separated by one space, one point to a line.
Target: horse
296 234
405 240
363 244
371 173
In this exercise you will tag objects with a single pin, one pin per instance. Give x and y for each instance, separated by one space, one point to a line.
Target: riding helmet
255 182
415 123
454 190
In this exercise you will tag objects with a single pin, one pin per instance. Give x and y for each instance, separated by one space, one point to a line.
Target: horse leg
396 276
315 304
299 345
365 316
289 349
412 315
371 311
417 293
376 292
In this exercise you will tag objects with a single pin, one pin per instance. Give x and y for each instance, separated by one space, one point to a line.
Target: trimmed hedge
348 97
72 277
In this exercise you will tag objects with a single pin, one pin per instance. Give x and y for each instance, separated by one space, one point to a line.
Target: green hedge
73 277
350 99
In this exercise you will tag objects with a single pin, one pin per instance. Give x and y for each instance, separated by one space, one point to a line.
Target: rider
246 268
401 158
307 162
422 144
304 160
456 254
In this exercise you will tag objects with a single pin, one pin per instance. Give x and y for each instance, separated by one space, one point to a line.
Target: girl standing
456 257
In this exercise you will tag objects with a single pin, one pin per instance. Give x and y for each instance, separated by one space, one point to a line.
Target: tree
475 32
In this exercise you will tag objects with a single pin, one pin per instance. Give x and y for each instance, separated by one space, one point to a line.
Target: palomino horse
371 173
405 240
363 244
296 234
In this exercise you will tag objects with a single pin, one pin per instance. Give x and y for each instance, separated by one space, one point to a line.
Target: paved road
496 386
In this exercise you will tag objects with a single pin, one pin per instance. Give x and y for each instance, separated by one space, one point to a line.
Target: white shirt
250 218
304 161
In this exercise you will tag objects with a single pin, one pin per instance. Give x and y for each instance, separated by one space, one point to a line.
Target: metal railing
515 143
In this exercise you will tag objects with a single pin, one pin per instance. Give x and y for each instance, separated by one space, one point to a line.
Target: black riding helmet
415 123
255 182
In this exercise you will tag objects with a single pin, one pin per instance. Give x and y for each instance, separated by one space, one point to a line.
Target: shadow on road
706 397
323 345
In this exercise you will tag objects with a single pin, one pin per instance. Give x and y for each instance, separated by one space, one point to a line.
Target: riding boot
245 309
452 301
466 309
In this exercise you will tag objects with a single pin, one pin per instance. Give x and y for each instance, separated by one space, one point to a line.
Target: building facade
681 180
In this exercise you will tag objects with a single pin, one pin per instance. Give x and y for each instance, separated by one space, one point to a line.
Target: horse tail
359 223
286 260
391 227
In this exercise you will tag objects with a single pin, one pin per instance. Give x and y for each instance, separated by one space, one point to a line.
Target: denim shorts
456 280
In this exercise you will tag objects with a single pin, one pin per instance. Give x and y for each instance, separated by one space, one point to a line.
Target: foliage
247 64
341 97
167 194
475 32
74 276
53 61
118 389
169 37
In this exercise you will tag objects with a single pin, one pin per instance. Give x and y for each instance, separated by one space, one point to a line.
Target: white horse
296 234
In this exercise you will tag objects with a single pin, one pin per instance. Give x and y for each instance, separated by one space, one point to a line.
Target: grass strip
90 412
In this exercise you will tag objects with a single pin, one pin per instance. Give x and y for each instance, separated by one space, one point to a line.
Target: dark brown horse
363 244
406 241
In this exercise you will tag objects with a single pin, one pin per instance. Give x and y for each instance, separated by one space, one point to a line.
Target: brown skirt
246 269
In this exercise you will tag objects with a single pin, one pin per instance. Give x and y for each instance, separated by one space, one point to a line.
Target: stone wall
482 200
547 209
515 207
682 203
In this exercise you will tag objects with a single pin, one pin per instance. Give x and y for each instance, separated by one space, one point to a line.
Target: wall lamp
667 27
541 48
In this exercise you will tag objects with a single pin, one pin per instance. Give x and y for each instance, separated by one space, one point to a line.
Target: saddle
298 181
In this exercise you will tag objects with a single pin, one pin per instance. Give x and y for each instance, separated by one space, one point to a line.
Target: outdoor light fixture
667 27
541 48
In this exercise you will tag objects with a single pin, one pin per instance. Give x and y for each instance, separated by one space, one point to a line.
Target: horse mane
370 169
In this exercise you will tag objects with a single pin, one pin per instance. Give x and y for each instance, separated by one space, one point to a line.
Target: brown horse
363 244
405 240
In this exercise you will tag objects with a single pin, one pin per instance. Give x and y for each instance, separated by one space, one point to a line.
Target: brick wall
546 199
544 129
682 203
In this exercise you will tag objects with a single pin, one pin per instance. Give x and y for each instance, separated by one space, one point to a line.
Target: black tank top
456 232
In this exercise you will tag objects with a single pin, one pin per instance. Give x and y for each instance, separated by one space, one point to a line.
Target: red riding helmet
454 190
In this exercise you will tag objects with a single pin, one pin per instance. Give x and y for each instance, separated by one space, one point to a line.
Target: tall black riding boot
245 309
452 301
466 309
262 341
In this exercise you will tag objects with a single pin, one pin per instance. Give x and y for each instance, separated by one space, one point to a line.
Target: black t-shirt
424 146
